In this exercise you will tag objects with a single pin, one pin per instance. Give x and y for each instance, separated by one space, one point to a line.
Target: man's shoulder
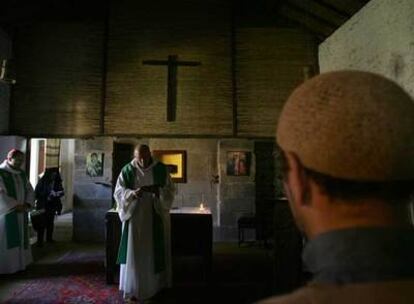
377 292
160 169
159 164
128 172
127 167
5 169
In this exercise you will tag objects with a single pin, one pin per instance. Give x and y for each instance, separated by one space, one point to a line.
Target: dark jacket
49 190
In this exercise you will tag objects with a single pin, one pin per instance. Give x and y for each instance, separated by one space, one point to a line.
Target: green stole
11 219
159 172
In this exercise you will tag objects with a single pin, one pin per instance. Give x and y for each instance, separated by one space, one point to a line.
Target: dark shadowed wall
270 64
5 53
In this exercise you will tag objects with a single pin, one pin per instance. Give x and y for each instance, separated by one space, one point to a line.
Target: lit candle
201 207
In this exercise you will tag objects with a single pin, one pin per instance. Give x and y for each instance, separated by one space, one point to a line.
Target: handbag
38 219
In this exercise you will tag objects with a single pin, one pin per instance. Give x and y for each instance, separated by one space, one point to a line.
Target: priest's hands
138 193
151 189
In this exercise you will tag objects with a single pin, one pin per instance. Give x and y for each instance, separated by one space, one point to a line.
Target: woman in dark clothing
48 192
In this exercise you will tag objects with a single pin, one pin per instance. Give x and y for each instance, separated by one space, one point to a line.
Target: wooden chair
245 222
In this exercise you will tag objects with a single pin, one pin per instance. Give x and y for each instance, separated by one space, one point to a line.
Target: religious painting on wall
95 164
176 161
238 163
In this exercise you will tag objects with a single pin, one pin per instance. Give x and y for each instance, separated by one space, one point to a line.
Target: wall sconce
214 179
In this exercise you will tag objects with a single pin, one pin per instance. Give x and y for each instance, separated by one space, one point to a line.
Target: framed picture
238 163
176 161
95 164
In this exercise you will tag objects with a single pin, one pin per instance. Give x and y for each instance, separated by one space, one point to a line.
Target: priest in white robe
16 198
144 194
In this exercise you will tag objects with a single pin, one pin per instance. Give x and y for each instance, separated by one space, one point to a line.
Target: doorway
58 153
265 189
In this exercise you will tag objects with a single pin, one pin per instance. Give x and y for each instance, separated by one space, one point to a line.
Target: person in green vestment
16 198
144 193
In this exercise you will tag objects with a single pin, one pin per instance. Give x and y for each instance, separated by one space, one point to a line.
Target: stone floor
63 229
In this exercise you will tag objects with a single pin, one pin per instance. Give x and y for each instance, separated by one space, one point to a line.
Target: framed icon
238 163
95 164
176 161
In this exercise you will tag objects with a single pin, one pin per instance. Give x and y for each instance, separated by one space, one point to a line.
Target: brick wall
63 77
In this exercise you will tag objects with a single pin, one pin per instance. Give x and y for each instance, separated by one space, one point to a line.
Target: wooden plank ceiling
321 17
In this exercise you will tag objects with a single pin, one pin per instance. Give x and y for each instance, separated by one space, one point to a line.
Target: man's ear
298 180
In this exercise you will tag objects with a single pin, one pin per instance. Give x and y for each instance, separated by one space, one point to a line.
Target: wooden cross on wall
172 63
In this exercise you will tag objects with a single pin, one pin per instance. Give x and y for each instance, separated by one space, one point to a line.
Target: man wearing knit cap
16 198
347 141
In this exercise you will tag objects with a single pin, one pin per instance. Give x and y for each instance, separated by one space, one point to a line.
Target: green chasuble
12 223
159 173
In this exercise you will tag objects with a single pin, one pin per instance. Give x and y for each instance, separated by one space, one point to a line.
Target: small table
191 235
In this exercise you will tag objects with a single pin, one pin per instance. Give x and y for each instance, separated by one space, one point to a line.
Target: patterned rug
76 274
73 278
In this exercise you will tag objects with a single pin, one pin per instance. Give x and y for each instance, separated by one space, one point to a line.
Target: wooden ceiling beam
316 9
350 7
302 17
333 8
310 13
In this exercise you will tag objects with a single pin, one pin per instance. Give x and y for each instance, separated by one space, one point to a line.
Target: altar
191 235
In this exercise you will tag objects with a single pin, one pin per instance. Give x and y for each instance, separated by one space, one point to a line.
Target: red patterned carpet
75 273
72 289
76 277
